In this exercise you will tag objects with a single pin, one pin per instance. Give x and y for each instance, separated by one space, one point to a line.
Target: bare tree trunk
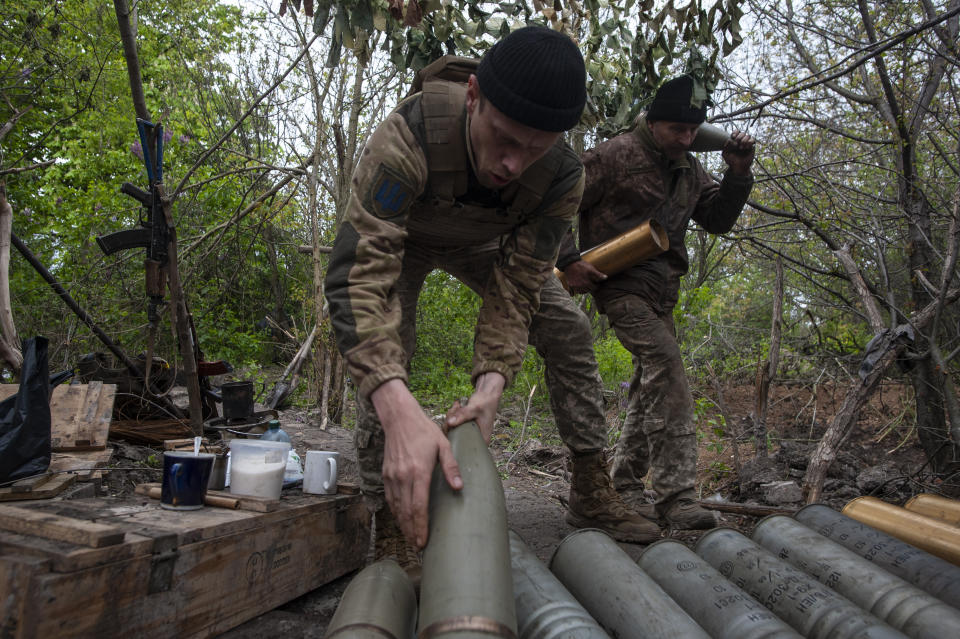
728 420
889 346
128 35
325 391
856 278
284 387
338 388
769 370
9 342
181 320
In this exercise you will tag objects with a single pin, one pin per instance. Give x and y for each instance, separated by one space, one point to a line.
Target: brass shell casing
936 537
640 243
935 506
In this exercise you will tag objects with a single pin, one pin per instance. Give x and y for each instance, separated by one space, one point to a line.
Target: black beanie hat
672 103
535 76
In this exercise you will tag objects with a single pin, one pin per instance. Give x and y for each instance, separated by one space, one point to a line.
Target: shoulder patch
390 195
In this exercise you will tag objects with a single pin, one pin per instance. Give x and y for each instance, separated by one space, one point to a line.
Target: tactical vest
439 214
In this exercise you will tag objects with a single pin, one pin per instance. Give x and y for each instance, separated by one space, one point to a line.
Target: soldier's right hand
414 445
583 277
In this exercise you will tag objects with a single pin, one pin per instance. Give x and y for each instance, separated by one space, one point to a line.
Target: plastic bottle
294 471
275 433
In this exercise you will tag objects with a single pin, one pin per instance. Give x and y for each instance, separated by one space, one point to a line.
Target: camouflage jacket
414 186
628 181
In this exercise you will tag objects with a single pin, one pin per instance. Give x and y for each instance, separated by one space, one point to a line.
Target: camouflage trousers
658 431
559 331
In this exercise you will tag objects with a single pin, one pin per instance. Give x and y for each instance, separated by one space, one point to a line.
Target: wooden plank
155 491
214 584
246 502
249 502
83 463
146 517
66 557
185 443
87 533
53 485
64 405
30 483
86 424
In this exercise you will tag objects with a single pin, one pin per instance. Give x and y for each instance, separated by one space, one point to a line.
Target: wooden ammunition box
125 567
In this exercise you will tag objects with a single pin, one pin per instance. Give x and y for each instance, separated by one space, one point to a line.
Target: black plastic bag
25 417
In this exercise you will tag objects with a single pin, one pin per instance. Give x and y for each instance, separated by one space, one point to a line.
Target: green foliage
614 361
629 48
68 97
446 315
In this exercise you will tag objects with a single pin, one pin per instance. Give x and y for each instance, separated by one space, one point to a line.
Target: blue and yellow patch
390 195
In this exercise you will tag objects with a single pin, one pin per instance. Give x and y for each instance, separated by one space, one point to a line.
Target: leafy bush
446 316
614 361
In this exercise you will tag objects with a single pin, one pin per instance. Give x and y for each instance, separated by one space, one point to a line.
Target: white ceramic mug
320 473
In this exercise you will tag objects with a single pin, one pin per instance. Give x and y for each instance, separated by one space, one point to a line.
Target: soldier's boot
638 500
595 504
389 543
686 514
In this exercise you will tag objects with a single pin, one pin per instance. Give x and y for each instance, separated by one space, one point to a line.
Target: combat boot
640 503
389 543
595 504
686 514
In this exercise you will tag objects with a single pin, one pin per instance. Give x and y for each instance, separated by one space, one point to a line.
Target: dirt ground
881 458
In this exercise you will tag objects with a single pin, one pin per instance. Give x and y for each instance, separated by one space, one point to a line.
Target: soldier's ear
473 94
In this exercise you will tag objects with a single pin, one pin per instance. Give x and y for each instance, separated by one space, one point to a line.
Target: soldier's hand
482 405
739 153
583 277
413 446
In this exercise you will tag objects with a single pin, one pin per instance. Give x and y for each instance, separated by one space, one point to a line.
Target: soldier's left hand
739 153
482 405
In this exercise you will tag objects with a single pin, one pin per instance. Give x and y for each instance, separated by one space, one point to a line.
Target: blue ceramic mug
185 477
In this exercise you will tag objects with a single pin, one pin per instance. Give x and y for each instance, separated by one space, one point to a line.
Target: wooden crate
127 568
79 414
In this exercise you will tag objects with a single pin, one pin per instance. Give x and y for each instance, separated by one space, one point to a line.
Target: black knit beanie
535 76
672 103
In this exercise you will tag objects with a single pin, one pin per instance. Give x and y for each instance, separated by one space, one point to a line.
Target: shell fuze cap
535 76
672 103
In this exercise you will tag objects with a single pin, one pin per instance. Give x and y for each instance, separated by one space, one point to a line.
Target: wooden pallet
79 414
127 568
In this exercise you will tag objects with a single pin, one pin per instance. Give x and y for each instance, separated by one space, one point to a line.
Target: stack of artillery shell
720 607
898 603
616 591
379 602
820 575
810 608
545 609
932 574
933 535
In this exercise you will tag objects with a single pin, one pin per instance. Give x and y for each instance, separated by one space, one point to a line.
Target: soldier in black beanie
649 173
473 178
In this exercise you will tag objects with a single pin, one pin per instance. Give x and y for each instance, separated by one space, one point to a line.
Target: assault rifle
152 233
